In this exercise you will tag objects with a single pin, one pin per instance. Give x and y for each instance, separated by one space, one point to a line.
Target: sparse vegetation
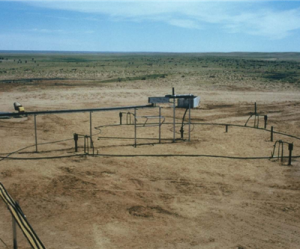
250 68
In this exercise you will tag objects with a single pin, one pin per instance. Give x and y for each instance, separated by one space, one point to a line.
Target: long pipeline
78 110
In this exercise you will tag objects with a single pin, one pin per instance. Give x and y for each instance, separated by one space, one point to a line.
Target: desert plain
209 192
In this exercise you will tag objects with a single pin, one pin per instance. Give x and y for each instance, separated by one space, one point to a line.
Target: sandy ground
153 202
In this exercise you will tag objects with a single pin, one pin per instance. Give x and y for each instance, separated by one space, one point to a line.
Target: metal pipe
290 154
78 110
76 140
271 133
14 227
159 129
189 122
248 120
120 115
87 144
91 130
35 132
266 120
134 127
282 152
174 120
128 118
182 124
181 96
84 145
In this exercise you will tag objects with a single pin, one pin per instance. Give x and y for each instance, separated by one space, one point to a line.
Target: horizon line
138 52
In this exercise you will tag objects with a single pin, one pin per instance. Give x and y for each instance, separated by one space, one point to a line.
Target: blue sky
151 26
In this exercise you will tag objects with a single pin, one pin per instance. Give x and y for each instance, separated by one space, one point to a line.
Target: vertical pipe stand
91 131
120 115
174 120
14 227
266 120
134 127
255 116
282 153
272 133
76 141
189 122
35 132
159 129
291 146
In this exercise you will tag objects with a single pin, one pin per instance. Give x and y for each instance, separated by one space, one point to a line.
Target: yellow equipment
18 107
21 109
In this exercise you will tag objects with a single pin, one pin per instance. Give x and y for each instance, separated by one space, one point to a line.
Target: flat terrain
152 195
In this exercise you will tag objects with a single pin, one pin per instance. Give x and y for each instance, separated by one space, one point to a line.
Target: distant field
100 68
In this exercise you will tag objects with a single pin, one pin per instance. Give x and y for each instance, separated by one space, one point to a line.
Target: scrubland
138 201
